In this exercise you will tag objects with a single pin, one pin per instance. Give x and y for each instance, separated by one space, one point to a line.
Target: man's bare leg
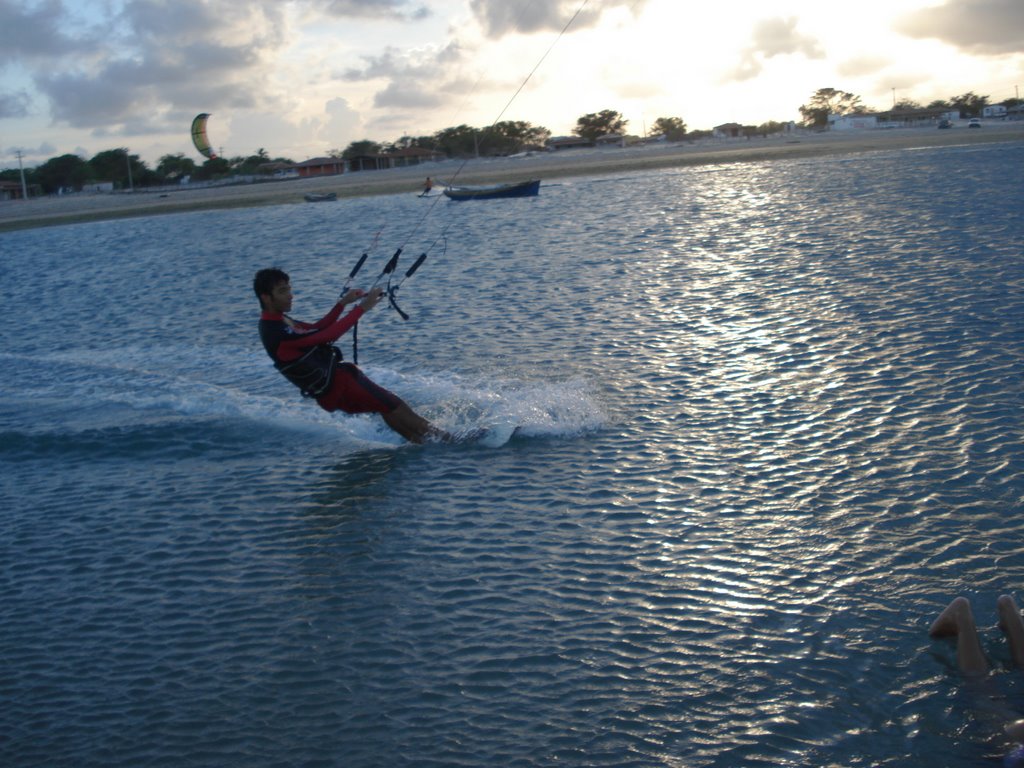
958 621
414 427
1013 626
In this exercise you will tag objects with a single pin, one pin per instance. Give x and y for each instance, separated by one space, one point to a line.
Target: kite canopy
199 136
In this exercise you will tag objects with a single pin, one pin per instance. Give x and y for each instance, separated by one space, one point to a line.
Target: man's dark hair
267 279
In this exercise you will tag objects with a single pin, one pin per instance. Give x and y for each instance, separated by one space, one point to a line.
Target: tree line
830 101
125 170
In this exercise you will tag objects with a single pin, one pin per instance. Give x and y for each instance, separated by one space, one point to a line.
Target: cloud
380 9
861 66
14 104
34 32
416 64
140 92
246 134
501 17
45 150
155 62
770 38
416 78
988 27
343 126
406 95
388 64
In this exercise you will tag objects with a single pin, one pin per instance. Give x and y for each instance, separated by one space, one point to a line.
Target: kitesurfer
304 353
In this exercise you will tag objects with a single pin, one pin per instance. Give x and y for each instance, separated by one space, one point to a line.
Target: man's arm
310 336
294 346
334 312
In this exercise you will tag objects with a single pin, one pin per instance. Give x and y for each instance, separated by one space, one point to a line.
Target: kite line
392 263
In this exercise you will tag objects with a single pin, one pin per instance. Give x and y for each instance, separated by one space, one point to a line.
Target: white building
852 122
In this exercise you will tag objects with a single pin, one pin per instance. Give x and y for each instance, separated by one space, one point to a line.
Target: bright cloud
775 37
989 27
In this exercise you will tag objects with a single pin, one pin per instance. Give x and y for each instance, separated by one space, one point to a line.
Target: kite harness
313 372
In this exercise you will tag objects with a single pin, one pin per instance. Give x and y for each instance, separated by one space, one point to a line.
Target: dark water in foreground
772 425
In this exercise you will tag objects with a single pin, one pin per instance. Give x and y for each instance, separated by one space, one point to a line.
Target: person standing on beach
305 354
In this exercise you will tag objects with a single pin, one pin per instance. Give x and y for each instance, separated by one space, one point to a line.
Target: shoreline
78 208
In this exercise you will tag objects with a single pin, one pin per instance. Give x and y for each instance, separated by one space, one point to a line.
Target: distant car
945 123
974 123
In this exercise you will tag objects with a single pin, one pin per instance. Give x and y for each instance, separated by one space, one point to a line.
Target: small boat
520 189
321 197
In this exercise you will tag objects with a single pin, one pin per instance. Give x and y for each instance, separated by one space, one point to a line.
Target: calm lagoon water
772 425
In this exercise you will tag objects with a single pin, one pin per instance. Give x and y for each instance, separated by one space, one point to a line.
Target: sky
299 78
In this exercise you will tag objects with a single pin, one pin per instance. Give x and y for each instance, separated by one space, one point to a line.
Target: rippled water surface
771 426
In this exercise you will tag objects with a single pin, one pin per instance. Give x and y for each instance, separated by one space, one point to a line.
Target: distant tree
64 172
511 136
906 105
214 168
402 142
459 141
174 167
112 165
363 147
424 142
251 165
829 101
672 128
969 104
770 128
594 125
13 175
939 104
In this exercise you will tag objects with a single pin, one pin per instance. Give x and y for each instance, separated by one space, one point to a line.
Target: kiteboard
489 437
495 437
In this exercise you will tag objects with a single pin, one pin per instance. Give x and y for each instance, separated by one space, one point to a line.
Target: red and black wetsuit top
304 352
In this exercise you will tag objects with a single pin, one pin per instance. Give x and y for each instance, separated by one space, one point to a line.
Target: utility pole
128 159
24 187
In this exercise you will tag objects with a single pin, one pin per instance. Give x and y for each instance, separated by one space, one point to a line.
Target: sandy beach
68 209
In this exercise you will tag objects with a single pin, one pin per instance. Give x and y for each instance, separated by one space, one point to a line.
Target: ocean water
771 424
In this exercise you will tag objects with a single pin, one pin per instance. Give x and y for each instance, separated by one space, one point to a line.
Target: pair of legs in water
957 621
